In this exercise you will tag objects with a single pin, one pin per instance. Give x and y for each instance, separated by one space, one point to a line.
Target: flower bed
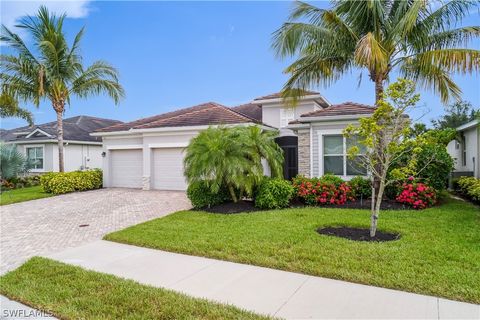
322 191
417 195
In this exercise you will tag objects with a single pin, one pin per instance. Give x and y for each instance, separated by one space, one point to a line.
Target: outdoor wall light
104 154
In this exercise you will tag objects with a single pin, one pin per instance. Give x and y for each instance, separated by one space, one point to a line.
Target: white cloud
12 11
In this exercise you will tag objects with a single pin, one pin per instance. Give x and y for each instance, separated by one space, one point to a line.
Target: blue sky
178 54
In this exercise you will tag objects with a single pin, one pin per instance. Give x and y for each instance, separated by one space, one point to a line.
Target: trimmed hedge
470 187
65 182
274 194
201 196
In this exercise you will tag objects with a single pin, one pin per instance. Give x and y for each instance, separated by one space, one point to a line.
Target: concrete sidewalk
262 290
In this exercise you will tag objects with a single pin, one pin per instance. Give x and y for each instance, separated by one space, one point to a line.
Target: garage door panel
126 168
168 169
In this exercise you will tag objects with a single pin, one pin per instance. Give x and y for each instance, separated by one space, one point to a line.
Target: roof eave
303 98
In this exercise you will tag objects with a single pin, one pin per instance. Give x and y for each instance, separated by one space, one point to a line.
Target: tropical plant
261 144
456 114
217 157
9 108
52 70
419 39
12 162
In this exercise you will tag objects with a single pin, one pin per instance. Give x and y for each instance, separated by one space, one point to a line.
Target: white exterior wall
472 141
271 112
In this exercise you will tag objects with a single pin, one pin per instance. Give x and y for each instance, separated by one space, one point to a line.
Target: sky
179 54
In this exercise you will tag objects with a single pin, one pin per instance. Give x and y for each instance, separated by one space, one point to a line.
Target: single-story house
466 150
39 143
148 153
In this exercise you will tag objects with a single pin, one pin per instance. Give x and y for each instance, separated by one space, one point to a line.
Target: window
35 157
335 159
464 150
286 115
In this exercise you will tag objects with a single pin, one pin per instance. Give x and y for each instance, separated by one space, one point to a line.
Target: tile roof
209 113
346 108
75 128
250 109
278 95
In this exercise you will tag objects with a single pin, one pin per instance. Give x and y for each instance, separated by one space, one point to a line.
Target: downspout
311 151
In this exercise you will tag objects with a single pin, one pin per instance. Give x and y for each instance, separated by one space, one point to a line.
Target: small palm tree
53 70
12 162
262 145
218 157
412 37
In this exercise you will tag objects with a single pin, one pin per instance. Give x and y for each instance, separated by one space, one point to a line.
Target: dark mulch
358 234
387 204
231 207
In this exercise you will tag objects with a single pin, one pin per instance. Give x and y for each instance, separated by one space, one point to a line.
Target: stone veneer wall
304 153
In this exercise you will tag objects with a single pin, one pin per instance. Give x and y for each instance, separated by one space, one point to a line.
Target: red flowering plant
417 195
314 191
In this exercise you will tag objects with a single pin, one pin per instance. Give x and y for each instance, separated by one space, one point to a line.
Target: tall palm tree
418 39
53 70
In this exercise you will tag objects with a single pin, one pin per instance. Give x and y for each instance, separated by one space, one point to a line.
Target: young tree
456 114
53 70
388 139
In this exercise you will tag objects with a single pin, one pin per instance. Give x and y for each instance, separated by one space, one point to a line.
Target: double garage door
166 167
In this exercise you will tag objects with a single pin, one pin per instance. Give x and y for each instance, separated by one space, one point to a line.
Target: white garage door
168 169
126 168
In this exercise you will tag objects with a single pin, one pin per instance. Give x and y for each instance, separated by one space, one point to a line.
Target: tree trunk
378 96
232 193
378 89
59 107
376 210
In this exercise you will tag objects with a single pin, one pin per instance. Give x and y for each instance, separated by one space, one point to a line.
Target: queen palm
52 70
420 41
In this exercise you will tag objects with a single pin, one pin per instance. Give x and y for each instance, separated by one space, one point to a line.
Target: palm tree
53 70
218 157
414 37
261 145
9 108
12 162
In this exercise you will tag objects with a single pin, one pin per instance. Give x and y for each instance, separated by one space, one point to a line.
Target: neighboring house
466 150
148 153
39 143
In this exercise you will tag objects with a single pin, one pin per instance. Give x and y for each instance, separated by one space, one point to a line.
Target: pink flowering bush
316 191
417 195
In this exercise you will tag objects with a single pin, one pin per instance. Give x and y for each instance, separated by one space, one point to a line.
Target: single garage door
168 169
126 168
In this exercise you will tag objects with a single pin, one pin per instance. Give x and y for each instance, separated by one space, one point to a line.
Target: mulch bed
232 208
248 206
358 234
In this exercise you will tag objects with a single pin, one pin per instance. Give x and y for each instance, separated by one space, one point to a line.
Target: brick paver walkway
48 225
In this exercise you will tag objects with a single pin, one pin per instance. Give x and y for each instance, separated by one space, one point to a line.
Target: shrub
65 182
417 195
330 178
274 194
360 187
321 191
201 195
470 187
24 182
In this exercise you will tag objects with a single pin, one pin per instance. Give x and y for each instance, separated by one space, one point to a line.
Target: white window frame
29 146
286 116
333 132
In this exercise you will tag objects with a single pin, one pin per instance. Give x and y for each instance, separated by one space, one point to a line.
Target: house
466 150
148 153
39 143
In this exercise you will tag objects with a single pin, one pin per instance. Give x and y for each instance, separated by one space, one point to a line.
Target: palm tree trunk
59 107
378 89
232 193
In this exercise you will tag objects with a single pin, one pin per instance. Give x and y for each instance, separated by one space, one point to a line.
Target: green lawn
438 253
22 194
70 292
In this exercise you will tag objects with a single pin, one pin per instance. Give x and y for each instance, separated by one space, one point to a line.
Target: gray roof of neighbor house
209 113
342 109
76 128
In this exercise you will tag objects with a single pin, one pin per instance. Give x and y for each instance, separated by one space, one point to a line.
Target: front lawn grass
69 292
438 252
22 194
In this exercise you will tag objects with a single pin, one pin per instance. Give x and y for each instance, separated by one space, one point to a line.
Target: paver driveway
48 225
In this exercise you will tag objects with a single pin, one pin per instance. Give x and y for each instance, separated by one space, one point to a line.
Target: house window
335 159
464 150
35 157
286 115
